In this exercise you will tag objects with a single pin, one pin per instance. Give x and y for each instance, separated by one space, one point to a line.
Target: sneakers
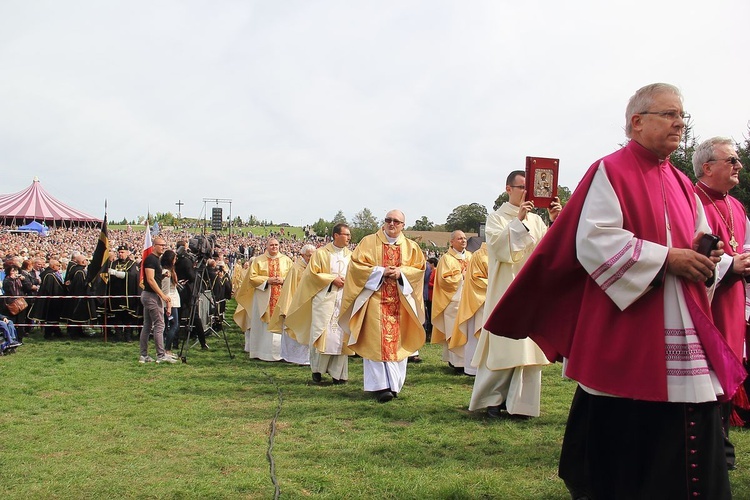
145 359
167 359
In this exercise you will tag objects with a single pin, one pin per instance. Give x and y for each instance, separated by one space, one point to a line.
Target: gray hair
307 248
642 100
705 152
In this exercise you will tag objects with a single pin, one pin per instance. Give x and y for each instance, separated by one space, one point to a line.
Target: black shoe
337 381
519 416
493 411
317 378
414 359
205 347
731 466
384 396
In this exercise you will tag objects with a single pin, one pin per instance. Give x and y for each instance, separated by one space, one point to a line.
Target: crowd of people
51 276
649 322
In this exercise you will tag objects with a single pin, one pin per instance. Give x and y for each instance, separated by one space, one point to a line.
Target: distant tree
682 157
365 220
466 218
237 221
164 219
422 224
322 227
742 190
339 218
500 200
363 223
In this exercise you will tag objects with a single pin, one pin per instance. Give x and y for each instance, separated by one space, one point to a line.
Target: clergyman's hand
691 265
741 263
554 209
526 207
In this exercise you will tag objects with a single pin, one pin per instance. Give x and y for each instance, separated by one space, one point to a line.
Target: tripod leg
185 344
226 342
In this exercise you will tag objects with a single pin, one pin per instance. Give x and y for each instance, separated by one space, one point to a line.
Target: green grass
84 420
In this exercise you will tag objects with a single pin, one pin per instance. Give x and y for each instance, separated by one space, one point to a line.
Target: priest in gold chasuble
382 308
449 281
256 300
291 350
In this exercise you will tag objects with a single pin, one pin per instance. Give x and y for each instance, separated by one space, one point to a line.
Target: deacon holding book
509 371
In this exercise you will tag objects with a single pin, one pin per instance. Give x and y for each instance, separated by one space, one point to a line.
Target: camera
202 245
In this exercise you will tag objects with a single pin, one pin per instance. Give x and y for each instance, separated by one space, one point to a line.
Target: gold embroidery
390 307
273 272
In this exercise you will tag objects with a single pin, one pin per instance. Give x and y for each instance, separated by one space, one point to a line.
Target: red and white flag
147 249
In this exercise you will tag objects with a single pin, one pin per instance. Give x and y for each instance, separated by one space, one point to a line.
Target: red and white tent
34 203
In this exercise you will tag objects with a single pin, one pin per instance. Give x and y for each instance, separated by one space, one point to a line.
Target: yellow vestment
473 295
384 324
237 276
450 274
317 279
285 297
262 268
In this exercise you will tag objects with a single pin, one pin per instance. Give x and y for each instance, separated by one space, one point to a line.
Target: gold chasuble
262 268
317 280
280 308
473 295
450 274
384 324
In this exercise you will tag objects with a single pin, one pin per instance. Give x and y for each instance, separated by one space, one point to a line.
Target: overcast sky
297 109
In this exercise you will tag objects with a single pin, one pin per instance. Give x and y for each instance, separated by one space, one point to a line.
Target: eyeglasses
732 159
160 244
388 220
519 187
671 115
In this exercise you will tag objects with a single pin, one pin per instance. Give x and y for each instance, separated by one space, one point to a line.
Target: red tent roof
34 203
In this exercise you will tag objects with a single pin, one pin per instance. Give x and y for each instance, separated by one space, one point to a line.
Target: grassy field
82 419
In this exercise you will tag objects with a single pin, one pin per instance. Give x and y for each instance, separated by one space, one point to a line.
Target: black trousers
617 448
